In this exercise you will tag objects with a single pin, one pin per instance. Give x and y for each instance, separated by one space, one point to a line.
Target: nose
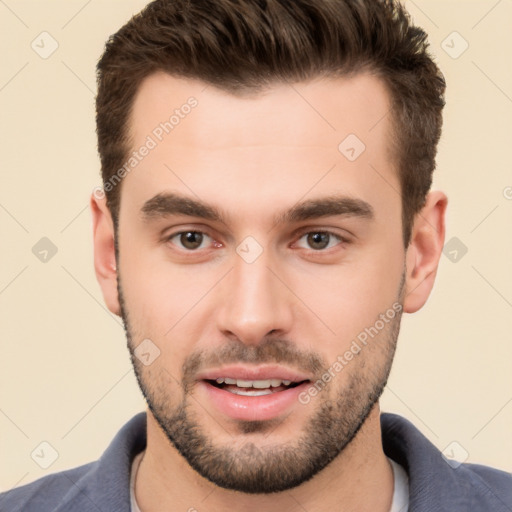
254 304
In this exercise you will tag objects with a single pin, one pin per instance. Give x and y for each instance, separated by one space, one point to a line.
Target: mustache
270 350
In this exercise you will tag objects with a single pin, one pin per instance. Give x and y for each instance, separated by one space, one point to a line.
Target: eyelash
341 240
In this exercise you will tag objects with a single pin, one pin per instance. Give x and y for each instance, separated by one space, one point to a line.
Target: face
260 251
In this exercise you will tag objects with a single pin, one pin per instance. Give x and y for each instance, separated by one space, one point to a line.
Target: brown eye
190 240
318 240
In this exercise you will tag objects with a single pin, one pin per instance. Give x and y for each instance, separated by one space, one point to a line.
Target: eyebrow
168 204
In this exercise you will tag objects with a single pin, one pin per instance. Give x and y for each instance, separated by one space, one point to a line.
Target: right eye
190 240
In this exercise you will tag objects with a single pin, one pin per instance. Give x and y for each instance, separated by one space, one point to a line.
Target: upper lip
265 372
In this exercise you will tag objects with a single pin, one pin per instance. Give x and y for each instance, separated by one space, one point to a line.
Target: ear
104 252
424 251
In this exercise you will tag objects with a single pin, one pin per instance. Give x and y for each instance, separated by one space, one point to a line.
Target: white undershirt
400 501
135 466
400 494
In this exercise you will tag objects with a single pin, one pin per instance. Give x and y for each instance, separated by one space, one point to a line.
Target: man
266 220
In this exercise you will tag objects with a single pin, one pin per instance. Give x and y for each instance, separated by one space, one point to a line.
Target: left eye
190 240
319 240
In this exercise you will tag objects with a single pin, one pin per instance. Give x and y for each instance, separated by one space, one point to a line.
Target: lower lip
252 408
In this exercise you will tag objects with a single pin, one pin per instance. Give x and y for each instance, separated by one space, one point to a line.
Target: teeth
250 392
244 383
257 384
261 384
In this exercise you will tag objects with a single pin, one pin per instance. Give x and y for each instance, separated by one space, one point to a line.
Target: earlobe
424 251
105 264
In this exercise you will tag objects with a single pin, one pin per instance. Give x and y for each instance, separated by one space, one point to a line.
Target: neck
360 478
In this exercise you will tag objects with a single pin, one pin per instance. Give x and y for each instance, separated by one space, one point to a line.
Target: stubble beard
245 466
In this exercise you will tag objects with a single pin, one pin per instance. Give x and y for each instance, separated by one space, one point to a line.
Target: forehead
323 108
276 146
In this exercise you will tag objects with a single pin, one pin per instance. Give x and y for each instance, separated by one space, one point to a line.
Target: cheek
152 285
349 298
165 302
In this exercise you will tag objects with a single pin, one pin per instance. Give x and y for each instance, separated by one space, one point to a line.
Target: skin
253 158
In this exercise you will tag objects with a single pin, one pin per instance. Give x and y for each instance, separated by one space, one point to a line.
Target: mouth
252 393
253 387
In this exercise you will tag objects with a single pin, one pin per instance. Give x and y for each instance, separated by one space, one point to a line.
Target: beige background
65 374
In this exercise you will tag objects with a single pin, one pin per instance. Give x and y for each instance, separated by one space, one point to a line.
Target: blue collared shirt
434 485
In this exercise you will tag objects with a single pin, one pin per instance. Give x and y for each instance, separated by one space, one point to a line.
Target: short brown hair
246 45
